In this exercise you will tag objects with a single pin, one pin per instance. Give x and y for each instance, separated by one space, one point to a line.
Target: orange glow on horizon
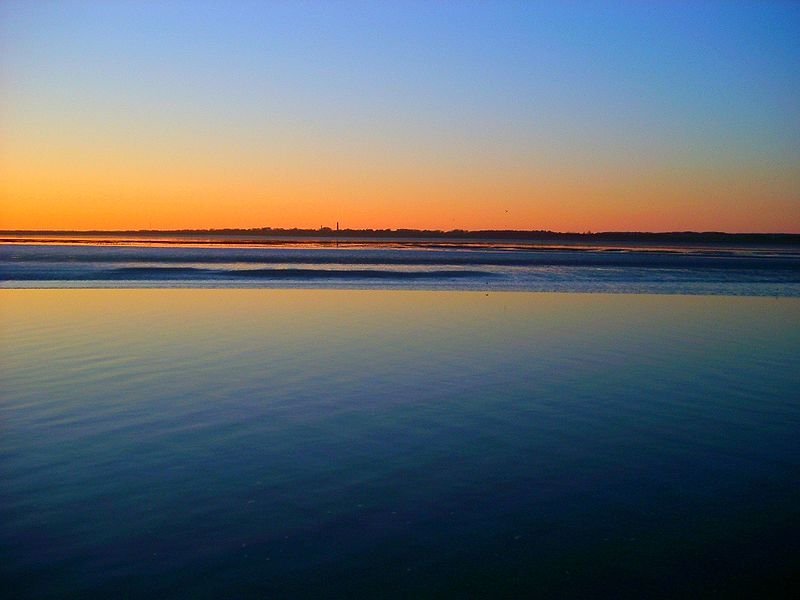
58 180
114 198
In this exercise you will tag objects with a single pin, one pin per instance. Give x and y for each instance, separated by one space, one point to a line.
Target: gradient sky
529 115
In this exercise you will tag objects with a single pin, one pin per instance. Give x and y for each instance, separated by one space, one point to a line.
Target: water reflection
256 442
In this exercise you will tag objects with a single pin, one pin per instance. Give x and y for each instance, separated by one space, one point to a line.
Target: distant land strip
698 237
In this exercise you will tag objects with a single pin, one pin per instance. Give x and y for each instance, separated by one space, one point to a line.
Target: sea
497 265
398 420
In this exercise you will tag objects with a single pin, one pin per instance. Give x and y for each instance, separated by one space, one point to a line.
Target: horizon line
325 230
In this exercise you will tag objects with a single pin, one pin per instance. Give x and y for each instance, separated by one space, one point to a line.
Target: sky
568 116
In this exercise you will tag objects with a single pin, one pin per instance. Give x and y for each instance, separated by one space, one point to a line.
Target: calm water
476 266
313 443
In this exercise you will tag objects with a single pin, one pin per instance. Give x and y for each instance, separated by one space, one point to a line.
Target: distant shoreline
254 235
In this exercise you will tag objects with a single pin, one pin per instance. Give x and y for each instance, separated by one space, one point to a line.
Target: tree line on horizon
495 234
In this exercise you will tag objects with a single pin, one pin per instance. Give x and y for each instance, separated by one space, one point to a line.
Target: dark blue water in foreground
309 443
412 265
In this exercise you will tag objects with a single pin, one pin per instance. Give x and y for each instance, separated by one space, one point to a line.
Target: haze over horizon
326 230
507 115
